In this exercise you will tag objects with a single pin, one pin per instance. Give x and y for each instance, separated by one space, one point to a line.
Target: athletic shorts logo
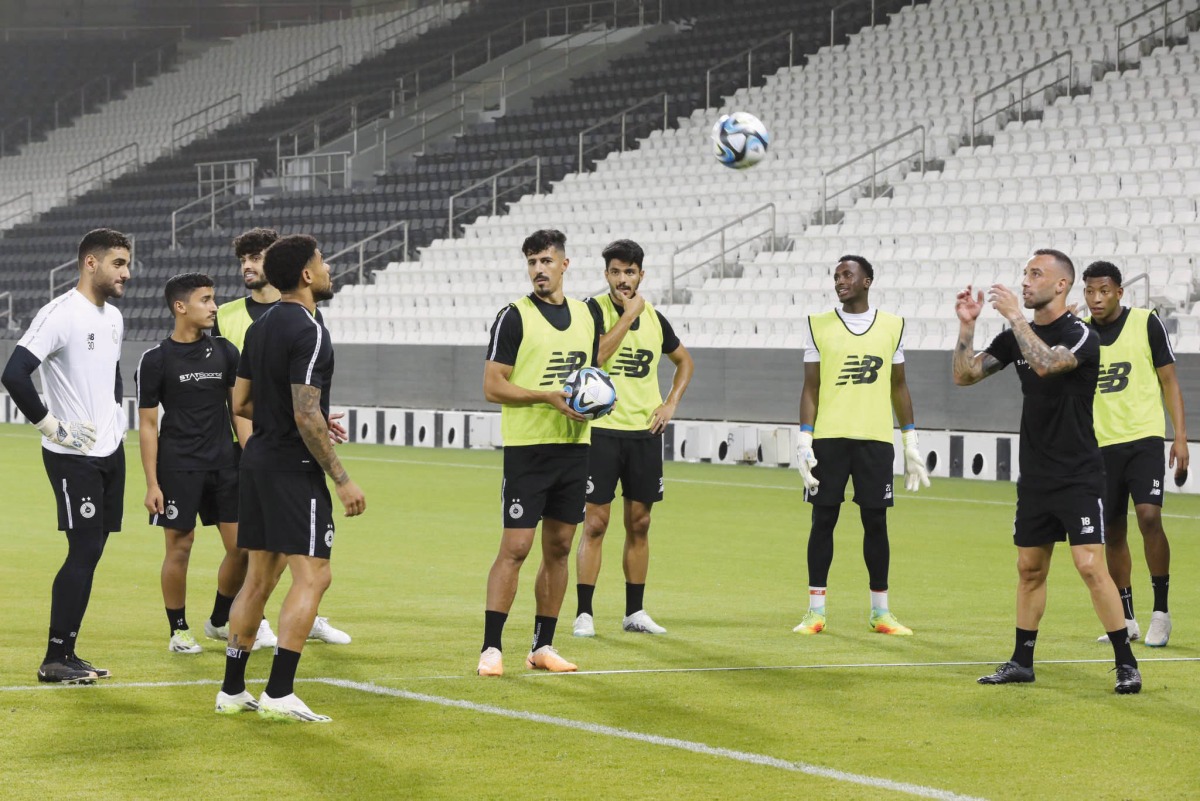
516 509
562 365
632 363
1113 377
660 485
1085 526
172 510
590 486
887 492
87 509
329 535
1156 489
860 370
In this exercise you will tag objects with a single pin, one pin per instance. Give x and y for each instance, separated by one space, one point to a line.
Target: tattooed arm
1041 358
314 430
970 367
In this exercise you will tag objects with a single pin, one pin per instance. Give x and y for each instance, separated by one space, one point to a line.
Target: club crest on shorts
172 510
329 535
87 508
516 509
590 486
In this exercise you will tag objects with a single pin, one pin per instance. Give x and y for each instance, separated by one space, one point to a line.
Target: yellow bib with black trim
1128 404
855 401
633 369
233 319
544 360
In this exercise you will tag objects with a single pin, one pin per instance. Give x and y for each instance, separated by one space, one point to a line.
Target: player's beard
256 283
323 294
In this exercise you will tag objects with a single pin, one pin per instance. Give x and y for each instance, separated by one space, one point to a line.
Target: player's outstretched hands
79 436
154 500
806 461
1005 301
352 498
916 475
337 431
559 401
968 307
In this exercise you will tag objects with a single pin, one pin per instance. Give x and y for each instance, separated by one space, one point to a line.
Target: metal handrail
622 116
720 232
158 57
213 208
456 114
872 154
72 185
494 180
27 120
1019 79
1165 27
81 91
361 244
382 41
748 53
56 286
7 298
833 21
4 220
66 31
226 178
1140 277
310 74
176 137
287 178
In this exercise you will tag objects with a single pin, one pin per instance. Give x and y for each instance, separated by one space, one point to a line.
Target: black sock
493 629
820 544
584 593
73 584
220 612
283 673
178 619
1121 649
1160 584
1023 653
634 598
1126 601
543 631
59 646
877 553
72 636
235 671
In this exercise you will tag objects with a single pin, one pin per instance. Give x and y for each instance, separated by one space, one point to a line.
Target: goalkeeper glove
75 435
806 461
915 473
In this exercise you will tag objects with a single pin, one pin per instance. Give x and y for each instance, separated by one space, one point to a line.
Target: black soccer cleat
1009 673
83 664
1129 680
64 671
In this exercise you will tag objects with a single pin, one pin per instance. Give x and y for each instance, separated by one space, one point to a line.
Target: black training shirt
285 346
191 380
1160 347
670 342
1058 445
508 330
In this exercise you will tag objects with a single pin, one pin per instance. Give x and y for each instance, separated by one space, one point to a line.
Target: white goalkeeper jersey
79 344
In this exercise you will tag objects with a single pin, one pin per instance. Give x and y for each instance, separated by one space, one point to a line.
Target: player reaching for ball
627 445
536 343
853 380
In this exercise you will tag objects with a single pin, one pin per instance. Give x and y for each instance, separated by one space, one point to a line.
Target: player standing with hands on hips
1061 487
75 340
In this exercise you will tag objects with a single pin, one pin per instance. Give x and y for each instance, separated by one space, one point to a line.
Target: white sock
879 600
816 599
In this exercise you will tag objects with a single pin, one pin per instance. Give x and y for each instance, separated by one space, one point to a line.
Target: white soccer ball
740 140
592 392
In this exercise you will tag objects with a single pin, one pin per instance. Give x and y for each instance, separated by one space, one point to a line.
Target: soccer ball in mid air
740 140
592 392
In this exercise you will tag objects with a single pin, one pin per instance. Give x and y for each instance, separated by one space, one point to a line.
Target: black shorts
1074 514
285 512
210 494
637 462
867 461
543 481
1135 468
88 490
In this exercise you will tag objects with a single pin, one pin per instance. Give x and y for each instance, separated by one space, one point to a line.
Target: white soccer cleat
234 704
584 626
290 707
182 642
1135 631
1159 631
324 632
491 663
265 637
641 622
216 632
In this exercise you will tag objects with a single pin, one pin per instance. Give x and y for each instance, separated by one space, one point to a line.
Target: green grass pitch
847 714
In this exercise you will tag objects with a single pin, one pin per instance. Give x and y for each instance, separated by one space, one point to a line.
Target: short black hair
1103 269
256 240
285 260
861 262
543 239
625 250
1062 258
181 287
100 241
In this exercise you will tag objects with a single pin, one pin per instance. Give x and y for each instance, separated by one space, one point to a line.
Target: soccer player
189 464
1061 486
1137 372
536 343
233 319
853 380
75 340
286 514
627 445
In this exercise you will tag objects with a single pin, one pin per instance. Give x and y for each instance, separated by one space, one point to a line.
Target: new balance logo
1086 526
860 370
1156 489
632 363
1114 377
562 365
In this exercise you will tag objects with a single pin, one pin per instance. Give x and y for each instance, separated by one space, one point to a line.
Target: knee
595 528
514 554
556 550
1031 575
1150 521
639 527
180 547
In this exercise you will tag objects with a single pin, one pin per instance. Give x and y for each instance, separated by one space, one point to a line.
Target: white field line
761 760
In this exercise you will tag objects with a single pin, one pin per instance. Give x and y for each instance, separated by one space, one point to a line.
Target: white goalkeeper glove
806 461
915 473
80 436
